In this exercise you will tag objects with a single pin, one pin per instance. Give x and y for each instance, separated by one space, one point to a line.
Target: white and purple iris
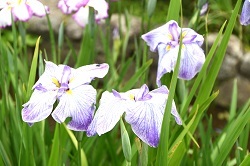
80 8
245 13
166 40
71 88
143 109
22 10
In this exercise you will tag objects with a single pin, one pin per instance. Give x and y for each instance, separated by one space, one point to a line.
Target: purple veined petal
39 106
145 119
5 17
22 12
190 36
108 114
82 16
37 7
176 114
85 74
192 61
245 16
166 62
143 94
101 6
78 104
49 80
174 30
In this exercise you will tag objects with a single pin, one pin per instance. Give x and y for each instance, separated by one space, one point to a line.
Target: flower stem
79 140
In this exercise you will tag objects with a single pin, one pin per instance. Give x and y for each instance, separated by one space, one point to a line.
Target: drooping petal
39 106
5 17
166 62
101 7
82 16
192 61
78 104
160 35
245 16
108 114
145 120
85 74
22 12
38 8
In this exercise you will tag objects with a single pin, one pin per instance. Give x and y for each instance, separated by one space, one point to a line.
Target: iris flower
245 13
166 40
22 10
71 88
80 8
143 109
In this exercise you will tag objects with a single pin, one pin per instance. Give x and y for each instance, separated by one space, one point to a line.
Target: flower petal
190 36
101 6
5 17
77 103
146 119
245 17
108 114
22 12
160 35
65 8
85 74
82 16
76 4
38 8
192 60
39 106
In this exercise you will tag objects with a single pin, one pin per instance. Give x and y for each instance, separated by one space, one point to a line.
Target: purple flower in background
245 13
166 40
71 87
22 10
143 109
80 8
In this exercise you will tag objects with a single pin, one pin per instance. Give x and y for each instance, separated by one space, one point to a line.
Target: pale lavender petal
101 7
143 94
166 62
85 74
38 8
108 114
176 114
22 12
192 61
190 36
82 16
5 17
39 106
146 120
78 104
245 13
65 8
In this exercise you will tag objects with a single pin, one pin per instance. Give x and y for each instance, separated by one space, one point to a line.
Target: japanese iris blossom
71 87
166 40
143 109
80 8
22 10
245 13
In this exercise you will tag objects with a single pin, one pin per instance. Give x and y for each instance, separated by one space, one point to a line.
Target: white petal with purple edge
76 4
192 61
38 8
108 114
146 119
39 106
22 12
101 6
78 104
82 16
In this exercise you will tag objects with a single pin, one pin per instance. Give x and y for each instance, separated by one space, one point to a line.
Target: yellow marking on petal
184 34
131 97
69 92
71 79
56 82
183 46
168 47
170 36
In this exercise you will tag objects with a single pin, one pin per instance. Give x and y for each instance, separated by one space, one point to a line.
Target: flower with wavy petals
166 40
22 10
143 109
71 88
80 8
